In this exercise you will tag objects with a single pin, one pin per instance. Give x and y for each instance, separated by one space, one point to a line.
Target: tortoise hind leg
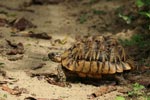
120 79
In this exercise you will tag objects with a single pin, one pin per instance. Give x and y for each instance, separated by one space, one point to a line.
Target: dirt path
59 22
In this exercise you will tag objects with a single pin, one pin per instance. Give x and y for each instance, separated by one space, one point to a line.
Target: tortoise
93 57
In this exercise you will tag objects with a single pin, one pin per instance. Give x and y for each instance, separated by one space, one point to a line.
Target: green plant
127 19
120 98
137 90
141 13
141 3
147 15
83 18
139 40
3 96
98 12
135 40
141 45
1 64
145 11
148 98
92 1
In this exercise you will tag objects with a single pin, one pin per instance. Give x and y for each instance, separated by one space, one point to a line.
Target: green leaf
119 98
1 63
139 3
5 95
98 12
146 2
148 98
83 18
125 18
130 93
137 87
92 1
147 14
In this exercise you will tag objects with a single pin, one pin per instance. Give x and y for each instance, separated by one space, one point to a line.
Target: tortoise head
55 56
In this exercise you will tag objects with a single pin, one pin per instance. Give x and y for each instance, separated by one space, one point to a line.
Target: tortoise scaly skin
94 57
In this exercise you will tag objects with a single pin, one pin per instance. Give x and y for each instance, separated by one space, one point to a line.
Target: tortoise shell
94 56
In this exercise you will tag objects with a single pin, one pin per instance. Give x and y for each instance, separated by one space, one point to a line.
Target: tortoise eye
97 41
51 55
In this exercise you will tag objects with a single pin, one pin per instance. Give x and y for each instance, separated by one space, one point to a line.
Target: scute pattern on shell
96 55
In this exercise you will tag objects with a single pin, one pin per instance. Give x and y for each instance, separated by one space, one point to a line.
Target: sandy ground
58 21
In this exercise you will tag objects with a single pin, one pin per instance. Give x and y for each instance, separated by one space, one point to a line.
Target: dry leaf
9 90
102 90
15 91
22 24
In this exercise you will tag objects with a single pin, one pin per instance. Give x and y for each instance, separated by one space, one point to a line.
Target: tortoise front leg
62 76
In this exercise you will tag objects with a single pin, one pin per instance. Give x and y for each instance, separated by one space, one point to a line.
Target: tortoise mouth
54 56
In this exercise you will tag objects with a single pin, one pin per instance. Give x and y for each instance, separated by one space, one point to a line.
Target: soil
63 23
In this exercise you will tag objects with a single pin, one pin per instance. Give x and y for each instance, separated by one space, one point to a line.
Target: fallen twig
16 9
32 98
31 34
